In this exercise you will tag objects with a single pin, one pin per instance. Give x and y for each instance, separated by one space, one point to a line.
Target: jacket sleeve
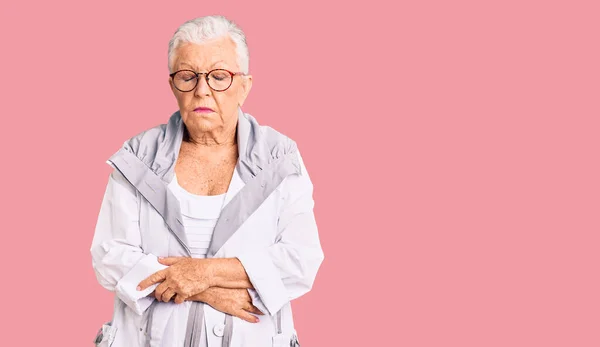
287 269
117 256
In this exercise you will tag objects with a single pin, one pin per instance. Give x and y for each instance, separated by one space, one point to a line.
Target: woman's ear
245 90
171 85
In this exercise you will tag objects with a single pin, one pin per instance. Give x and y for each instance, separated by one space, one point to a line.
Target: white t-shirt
200 214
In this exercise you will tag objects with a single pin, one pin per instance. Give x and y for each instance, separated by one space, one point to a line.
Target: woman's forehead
212 54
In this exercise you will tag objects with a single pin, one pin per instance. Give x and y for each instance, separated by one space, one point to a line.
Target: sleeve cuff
126 287
256 301
266 280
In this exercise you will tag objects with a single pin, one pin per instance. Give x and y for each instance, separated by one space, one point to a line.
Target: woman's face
215 54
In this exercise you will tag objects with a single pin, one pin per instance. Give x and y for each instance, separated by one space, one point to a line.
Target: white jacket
267 223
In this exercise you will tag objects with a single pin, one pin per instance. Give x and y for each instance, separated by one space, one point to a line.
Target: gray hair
202 29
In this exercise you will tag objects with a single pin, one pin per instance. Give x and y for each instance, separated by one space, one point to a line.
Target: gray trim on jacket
266 158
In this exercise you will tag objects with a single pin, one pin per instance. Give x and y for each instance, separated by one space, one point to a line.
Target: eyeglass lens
187 80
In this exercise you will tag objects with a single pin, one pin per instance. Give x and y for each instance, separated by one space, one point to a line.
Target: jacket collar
158 147
148 162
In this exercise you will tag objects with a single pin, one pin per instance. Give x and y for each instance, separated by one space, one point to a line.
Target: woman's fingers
242 314
179 299
159 290
167 295
152 279
170 260
254 309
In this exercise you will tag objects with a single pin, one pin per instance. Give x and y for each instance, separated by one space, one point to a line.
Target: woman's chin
204 113
202 117
204 123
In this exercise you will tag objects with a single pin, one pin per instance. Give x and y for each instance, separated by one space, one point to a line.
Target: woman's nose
202 88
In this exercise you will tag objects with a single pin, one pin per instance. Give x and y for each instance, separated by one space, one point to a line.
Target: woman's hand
236 302
183 278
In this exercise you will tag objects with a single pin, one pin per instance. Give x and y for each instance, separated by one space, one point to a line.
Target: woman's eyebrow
190 65
212 66
217 63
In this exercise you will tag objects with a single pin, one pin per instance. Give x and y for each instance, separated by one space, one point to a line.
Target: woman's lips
203 110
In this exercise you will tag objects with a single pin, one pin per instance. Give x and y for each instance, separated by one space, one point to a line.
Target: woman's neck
210 140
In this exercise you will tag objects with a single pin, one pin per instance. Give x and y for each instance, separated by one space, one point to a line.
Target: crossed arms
258 280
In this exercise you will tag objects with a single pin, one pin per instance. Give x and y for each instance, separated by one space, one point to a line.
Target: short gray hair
201 29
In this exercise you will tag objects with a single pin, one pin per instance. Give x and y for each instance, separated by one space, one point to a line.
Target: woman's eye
219 76
186 77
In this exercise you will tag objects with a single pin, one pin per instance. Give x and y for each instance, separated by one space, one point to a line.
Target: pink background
457 194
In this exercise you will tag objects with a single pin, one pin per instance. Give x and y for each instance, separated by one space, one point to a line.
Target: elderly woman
206 231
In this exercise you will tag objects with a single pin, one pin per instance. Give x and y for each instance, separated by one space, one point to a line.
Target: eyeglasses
218 80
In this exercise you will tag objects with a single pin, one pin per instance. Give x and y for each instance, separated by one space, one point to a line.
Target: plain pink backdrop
453 146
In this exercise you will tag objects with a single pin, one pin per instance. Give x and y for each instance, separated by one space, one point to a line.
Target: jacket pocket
106 335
